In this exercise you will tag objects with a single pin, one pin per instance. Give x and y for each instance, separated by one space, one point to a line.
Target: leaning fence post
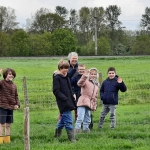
26 118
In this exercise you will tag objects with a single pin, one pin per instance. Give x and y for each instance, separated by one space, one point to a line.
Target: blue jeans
84 115
65 121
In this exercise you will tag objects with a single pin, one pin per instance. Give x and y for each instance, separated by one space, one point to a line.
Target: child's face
9 77
111 74
63 71
81 70
93 74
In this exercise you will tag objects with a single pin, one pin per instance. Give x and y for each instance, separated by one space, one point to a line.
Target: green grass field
133 115
131 132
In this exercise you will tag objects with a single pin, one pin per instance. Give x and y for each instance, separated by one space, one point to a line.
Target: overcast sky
130 17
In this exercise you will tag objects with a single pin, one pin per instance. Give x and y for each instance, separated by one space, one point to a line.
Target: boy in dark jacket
64 96
109 96
8 103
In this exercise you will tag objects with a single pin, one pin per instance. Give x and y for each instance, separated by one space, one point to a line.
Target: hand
119 80
16 107
74 95
86 73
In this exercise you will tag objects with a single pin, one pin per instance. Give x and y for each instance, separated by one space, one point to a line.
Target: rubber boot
71 135
58 133
1 139
6 139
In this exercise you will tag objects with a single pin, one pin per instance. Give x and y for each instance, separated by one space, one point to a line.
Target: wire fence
39 112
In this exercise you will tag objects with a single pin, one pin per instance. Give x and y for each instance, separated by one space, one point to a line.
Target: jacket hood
58 74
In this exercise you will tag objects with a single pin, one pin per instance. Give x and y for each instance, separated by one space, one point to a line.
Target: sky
131 10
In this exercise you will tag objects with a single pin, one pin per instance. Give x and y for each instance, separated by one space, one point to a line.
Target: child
8 102
64 96
76 88
88 99
109 96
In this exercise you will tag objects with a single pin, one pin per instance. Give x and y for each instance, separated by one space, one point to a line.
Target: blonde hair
81 65
94 69
63 64
72 54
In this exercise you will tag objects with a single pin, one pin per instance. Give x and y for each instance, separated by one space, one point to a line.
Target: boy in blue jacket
109 96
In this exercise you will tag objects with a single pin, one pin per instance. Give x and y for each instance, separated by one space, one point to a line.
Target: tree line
57 33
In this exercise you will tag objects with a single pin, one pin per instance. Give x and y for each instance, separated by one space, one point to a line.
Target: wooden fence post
100 78
26 118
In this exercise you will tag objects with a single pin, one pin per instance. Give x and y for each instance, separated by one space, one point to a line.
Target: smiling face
63 71
81 69
93 75
111 74
9 76
73 60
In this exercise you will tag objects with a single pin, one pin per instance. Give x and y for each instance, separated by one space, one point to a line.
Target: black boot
58 133
91 126
71 135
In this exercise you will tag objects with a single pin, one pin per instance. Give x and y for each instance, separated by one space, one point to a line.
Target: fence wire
44 115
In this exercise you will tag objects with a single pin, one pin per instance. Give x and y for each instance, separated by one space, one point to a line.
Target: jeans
65 120
84 115
105 110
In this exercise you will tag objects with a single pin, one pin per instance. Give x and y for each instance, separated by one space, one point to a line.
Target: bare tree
7 19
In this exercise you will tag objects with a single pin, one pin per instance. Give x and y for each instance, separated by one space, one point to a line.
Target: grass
131 132
133 115
38 72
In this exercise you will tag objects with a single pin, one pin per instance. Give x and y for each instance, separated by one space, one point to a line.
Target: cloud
132 10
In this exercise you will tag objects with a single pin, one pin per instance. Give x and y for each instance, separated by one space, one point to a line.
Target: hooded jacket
8 95
109 91
63 92
89 93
